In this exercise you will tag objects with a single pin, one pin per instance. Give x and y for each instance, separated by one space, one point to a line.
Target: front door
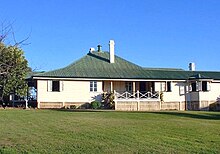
142 87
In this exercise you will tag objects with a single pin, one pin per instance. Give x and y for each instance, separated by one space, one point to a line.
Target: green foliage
13 70
96 105
108 99
72 106
214 106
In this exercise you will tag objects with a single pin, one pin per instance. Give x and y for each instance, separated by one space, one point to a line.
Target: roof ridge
163 69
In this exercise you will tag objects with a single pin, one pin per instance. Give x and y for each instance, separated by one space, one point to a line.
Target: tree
13 69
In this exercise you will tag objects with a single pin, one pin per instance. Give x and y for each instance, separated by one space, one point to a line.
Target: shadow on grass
83 110
187 114
191 114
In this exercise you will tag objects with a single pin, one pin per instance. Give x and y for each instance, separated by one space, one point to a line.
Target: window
206 86
168 85
55 85
194 85
93 86
200 86
128 86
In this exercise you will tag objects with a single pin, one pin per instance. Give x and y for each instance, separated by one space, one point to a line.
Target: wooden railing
136 95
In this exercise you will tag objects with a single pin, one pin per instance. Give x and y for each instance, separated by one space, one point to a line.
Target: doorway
142 86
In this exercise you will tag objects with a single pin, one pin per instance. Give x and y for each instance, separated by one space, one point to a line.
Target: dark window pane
55 86
193 86
204 86
168 86
128 86
95 84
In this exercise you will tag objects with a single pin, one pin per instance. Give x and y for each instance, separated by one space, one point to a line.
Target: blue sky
150 33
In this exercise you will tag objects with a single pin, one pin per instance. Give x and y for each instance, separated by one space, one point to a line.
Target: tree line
13 65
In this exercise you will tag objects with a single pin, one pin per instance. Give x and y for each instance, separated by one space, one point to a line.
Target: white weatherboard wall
73 91
177 93
214 92
157 86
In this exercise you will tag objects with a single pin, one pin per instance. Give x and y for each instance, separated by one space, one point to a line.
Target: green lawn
50 131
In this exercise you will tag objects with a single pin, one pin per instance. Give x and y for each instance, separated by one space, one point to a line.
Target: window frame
201 85
206 86
128 86
194 87
93 86
52 83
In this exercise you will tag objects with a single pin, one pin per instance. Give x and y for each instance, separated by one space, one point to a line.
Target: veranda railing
136 95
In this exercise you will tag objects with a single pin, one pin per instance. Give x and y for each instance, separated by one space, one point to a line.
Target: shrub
72 106
96 104
214 106
108 100
85 106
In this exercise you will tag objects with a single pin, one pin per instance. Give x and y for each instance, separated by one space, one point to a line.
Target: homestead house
135 88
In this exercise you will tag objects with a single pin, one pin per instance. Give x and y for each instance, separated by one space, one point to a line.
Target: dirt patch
6 143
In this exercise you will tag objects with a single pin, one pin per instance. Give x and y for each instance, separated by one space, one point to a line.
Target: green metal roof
199 76
182 75
97 65
164 69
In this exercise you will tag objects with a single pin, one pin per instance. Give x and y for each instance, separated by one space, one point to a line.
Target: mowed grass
50 131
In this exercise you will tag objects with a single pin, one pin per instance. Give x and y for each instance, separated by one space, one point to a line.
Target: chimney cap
112 42
99 48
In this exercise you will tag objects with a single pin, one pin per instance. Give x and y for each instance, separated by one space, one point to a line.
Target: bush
214 106
72 106
96 104
108 99
85 106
